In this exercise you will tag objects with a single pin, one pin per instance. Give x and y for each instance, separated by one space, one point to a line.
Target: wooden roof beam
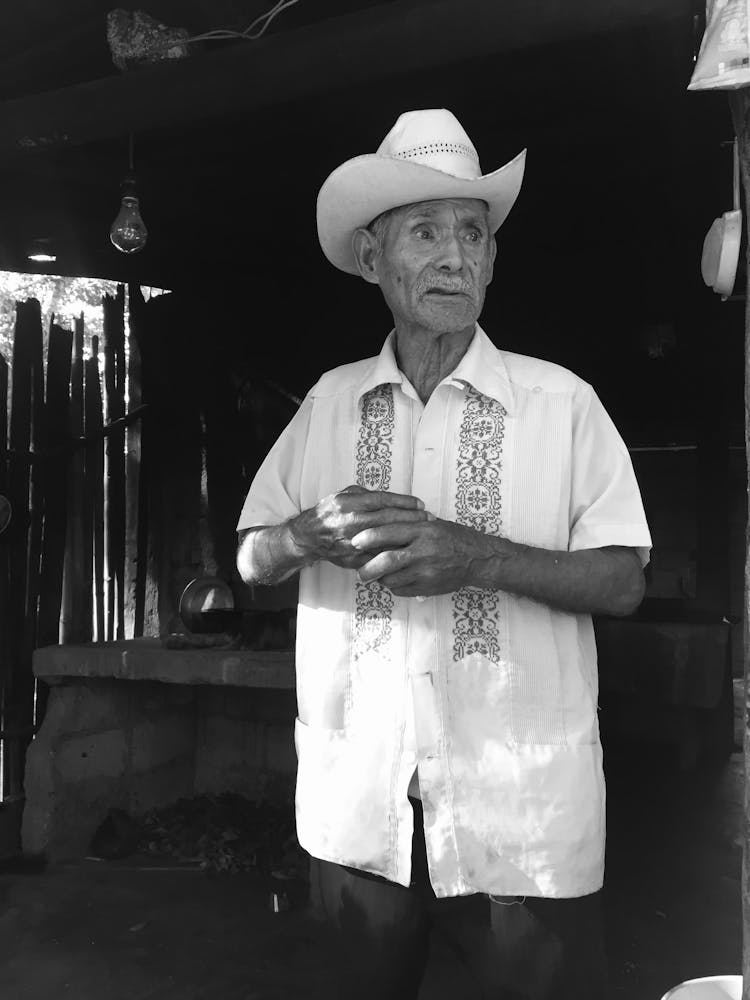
366 46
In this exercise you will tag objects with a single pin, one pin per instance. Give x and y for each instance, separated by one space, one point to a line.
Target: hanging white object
709 988
721 247
723 62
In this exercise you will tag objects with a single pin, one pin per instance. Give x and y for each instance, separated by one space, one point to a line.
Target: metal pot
207 605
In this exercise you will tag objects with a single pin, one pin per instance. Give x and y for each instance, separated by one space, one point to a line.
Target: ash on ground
227 833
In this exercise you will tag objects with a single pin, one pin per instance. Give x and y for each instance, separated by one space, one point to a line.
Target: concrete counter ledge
148 660
134 726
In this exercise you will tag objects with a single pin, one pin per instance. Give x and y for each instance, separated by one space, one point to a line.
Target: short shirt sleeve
274 494
605 504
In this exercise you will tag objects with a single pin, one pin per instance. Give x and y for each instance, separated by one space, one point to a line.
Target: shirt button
537 388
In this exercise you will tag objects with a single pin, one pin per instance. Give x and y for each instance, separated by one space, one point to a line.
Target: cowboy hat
426 156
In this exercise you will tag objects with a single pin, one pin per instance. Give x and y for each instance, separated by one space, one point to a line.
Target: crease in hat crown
426 156
435 138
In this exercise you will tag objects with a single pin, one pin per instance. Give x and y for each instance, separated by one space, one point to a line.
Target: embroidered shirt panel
479 477
373 604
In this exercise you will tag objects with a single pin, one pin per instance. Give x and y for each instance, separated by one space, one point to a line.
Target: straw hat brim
363 187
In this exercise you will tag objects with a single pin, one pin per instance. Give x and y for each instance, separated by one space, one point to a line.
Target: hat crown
434 138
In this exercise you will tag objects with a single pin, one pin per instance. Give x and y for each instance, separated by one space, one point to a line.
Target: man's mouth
444 291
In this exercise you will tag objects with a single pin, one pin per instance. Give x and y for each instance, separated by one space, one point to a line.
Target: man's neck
427 358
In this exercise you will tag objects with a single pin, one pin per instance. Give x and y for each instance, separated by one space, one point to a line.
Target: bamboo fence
72 558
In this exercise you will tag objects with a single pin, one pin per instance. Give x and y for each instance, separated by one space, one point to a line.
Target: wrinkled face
434 264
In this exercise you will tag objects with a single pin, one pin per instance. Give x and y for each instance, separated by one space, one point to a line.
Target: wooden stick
135 554
18 686
88 488
59 358
87 523
95 478
109 472
59 353
37 491
85 440
75 619
114 391
138 384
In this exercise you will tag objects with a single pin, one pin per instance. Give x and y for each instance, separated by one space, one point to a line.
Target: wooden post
57 401
37 475
740 105
19 682
75 618
95 479
59 356
135 483
114 502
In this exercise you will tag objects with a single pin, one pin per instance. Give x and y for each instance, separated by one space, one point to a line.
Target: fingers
377 519
383 564
359 498
386 536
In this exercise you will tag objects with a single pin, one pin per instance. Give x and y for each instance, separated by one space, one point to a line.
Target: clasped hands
389 537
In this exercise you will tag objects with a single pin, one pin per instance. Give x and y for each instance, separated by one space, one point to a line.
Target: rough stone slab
146 659
154 744
98 755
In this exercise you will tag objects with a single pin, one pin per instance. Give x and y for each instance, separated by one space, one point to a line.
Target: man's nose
449 257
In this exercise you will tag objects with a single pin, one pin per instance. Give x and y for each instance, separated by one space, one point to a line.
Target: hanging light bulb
128 232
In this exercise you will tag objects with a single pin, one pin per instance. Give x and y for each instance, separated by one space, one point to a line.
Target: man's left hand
421 559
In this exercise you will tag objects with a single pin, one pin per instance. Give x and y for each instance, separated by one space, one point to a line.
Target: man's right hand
325 531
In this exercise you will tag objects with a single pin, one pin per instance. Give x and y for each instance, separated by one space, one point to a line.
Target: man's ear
366 248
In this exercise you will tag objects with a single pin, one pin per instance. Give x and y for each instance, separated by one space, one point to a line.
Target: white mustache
440 284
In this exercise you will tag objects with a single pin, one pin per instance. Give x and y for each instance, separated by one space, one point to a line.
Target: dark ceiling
232 144
626 170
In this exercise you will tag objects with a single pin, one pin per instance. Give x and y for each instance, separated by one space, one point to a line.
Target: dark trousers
516 948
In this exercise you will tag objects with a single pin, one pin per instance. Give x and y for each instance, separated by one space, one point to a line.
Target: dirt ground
131 930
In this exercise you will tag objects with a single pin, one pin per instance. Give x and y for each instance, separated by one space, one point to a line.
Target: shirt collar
482 367
385 370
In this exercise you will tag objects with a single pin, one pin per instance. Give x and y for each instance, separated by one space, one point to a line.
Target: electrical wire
220 34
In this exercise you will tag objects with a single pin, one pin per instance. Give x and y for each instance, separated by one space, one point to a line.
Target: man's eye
474 236
422 233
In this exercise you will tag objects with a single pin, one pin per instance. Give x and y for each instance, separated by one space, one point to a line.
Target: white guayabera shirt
491 697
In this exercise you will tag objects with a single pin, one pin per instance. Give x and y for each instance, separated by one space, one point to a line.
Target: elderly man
456 513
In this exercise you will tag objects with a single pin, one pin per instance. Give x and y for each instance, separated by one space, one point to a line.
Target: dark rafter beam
370 45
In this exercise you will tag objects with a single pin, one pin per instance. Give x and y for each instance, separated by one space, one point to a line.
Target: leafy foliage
60 298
